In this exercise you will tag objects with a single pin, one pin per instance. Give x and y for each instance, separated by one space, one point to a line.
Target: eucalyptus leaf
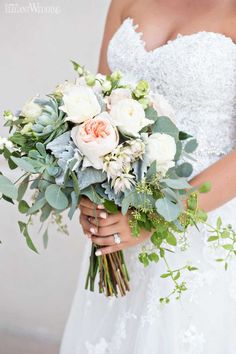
74 204
133 198
23 207
55 197
169 210
24 230
45 212
24 163
180 183
184 170
152 170
22 188
37 206
90 176
151 114
165 125
75 183
91 193
8 188
45 239
191 146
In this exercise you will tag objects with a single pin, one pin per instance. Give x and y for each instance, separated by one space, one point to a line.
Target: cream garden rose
95 138
31 110
162 149
162 106
129 116
80 104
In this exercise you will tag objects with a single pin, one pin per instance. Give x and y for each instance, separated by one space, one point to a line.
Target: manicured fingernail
93 231
100 206
98 253
103 215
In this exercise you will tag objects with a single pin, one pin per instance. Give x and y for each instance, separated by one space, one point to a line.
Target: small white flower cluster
5 142
118 164
9 116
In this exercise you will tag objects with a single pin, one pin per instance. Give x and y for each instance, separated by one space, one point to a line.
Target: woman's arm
222 176
113 22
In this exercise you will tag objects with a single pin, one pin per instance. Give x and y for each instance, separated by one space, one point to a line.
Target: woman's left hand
101 228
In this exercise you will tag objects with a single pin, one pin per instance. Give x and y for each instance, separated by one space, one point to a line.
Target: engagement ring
117 239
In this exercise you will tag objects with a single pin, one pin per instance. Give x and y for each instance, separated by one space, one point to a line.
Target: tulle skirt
203 321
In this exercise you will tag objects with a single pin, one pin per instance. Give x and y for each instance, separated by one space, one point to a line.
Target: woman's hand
100 227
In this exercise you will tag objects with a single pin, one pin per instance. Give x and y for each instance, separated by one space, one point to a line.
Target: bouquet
118 145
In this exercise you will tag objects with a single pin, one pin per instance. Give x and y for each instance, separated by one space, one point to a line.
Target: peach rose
95 138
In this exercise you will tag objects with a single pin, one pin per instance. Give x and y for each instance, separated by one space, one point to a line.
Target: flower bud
27 129
141 89
90 79
106 86
9 116
116 75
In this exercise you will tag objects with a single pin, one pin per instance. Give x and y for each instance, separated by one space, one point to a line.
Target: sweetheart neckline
134 27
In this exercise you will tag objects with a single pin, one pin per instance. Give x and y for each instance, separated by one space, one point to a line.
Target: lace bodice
196 73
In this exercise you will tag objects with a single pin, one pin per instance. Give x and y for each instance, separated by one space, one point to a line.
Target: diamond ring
117 238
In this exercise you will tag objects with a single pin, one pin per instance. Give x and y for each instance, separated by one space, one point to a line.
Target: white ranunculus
162 149
31 110
162 106
119 94
80 104
95 138
129 116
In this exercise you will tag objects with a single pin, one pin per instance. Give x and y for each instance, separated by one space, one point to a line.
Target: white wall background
35 49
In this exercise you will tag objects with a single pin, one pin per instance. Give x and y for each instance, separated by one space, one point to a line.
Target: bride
186 49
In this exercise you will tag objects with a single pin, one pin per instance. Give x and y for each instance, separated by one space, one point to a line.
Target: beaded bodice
196 73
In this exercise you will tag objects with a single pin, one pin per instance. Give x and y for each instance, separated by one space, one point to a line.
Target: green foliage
205 187
7 188
191 146
151 114
168 209
184 170
110 206
23 207
55 197
24 230
165 125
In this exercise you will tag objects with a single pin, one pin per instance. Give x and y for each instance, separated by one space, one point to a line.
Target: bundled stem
113 273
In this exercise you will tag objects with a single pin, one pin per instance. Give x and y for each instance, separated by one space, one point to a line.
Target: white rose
95 138
119 94
80 104
129 116
162 149
31 110
162 106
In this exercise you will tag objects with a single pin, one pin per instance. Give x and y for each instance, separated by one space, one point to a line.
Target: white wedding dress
197 74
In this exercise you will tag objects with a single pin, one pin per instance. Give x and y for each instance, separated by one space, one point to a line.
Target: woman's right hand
89 209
